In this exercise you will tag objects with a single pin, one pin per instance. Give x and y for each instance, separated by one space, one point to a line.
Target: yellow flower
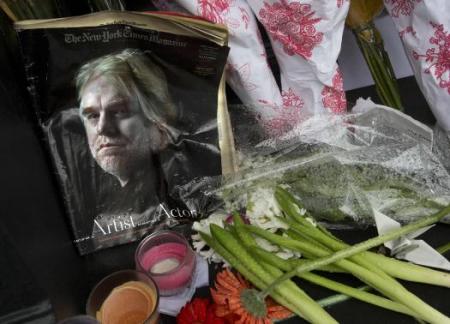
362 12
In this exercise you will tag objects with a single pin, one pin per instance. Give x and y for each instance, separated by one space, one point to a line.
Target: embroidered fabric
306 38
424 28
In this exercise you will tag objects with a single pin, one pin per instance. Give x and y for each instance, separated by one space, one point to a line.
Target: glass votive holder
126 296
168 258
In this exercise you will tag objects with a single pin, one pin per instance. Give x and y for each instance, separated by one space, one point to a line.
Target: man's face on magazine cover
120 137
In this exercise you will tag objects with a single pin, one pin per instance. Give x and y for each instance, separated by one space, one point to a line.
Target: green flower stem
338 298
249 275
309 309
391 266
302 232
333 285
371 44
371 53
250 244
276 272
273 264
318 235
360 272
333 246
396 292
382 89
409 271
331 268
388 73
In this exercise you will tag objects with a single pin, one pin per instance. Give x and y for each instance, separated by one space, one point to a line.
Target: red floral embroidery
340 3
213 10
407 30
333 97
439 56
288 115
292 24
217 11
404 7
242 76
245 17
290 99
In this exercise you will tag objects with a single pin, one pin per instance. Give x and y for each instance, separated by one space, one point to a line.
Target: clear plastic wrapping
343 168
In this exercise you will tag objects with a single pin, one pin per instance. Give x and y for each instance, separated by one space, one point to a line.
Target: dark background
39 262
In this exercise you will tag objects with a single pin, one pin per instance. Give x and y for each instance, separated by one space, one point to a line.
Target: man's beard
117 165
126 164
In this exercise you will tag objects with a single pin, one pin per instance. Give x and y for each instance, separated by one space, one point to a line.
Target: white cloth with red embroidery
424 27
306 37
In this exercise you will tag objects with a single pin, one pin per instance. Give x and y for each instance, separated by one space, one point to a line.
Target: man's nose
106 125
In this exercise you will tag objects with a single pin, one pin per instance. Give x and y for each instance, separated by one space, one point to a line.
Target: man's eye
92 116
122 113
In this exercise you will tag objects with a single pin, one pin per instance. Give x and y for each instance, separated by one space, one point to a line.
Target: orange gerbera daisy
227 297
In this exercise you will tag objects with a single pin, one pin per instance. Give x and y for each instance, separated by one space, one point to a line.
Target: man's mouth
109 147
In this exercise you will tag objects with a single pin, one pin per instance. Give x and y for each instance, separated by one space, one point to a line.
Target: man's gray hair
135 74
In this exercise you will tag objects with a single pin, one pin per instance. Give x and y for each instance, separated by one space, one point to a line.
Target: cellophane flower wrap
345 167
306 39
424 28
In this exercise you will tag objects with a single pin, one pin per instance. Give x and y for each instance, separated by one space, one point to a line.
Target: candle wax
170 265
165 265
131 302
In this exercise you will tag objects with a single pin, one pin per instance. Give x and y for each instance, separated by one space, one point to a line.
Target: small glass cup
121 286
168 258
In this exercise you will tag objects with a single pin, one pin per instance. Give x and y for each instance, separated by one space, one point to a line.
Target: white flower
266 245
312 221
218 218
285 254
263 209
199 245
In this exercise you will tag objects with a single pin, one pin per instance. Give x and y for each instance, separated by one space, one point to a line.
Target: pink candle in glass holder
167 257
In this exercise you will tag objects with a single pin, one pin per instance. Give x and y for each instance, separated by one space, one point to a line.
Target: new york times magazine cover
130 119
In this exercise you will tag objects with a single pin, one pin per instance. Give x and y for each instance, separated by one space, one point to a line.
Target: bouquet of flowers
330 170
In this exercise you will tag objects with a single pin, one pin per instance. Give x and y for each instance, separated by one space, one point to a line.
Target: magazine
134 114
